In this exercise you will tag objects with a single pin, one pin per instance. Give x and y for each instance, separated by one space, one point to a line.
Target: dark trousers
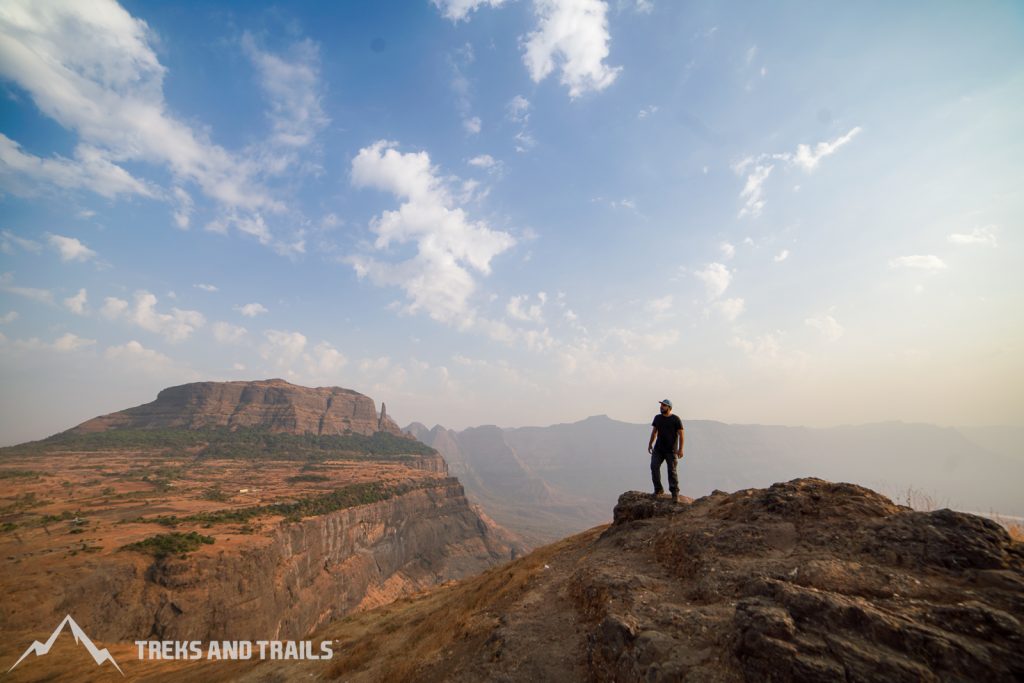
673 478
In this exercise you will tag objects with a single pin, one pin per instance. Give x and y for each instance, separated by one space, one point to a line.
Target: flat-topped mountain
273 405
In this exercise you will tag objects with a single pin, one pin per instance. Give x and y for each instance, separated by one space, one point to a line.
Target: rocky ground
804 581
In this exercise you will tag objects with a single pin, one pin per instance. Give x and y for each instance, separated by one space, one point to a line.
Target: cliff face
275 405
302 575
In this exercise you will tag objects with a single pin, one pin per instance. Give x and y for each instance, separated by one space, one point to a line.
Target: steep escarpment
803 581
273 405
299 576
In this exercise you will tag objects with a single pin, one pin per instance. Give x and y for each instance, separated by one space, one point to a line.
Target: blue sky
516 212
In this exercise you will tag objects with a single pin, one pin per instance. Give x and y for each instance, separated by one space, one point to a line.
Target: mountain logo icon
40 649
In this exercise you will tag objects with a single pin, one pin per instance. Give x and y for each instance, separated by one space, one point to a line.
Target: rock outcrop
273 404
803 581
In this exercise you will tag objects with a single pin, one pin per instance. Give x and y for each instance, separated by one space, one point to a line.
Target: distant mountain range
545 482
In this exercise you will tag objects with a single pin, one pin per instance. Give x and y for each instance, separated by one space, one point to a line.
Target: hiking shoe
675 497
658 494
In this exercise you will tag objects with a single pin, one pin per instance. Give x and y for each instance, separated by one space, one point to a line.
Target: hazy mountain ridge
592 460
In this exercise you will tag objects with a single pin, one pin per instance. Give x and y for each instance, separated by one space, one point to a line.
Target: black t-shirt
668 428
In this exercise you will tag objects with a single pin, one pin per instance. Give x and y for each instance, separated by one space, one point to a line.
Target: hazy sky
516 212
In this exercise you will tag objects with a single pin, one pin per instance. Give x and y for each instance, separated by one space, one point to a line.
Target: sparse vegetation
173 543
248 444
215 494
300 478
307 506
21 474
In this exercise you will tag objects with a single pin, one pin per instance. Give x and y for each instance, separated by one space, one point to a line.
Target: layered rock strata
301 575
274 405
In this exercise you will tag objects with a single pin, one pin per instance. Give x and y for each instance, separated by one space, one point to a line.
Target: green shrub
174 543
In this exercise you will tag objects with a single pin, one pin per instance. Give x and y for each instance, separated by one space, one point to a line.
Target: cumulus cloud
519 110
716 278
918 262
136 357
458 10
449 246
827 325
486 162
287 350
781 256
71 342
113 308
984 236
518 309
226 333
175 326
728 250
472 125
571 35
206 287
252 310
9 317
70 249
77 303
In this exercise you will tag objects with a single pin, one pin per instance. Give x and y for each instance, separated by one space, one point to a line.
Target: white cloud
70 248
10 317
71 342
325 361
641 341
41 295
518 310
751 54
781 256
292 85
24 174
226 333
519 110
472 125
985 236
716 278
283 348
252 310
728 250
91 68
730 308
134 357
77 303
175 326
113 308
647 111
8 242
438 278
485 161
808 160
572 35
643 6
183 214
804 158
918 262
457 10
827 325
753 191
206 287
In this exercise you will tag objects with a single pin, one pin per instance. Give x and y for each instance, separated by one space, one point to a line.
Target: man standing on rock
668 429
